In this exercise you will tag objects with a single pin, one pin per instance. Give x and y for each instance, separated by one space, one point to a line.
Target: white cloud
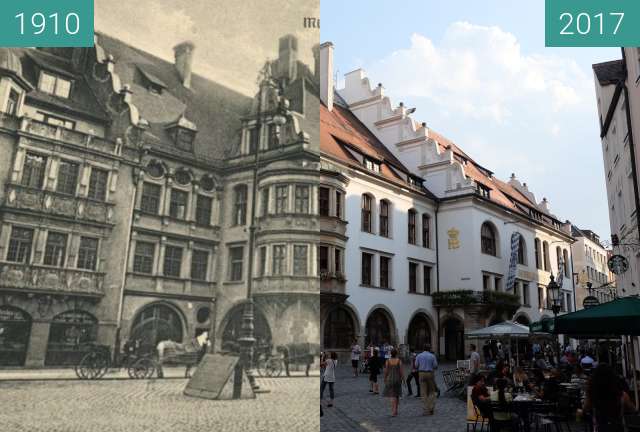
481 72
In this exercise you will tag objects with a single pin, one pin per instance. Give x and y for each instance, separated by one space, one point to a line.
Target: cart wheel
272 367
92 366
142 369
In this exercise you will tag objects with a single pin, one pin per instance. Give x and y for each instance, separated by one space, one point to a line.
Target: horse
188 353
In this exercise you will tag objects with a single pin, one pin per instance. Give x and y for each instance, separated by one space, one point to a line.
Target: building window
323 201
412 227
54 85
337 260
413 277
545 256
178 204
279 260
199 264
367 269
302 199
521 251
54 121
33 170
265 201
150 200
488 239
426 279
273 136
366 213
497 283
143 257
236 258
172 261
98 184
537 251
67 177
13 103
88 253
385 264
323 259
426 230
203 210
372 165
55 250
525 293
20 245
565 256
254 139
300 260
541 304
282 195
486 280
339 204
384 218
240 205
262 261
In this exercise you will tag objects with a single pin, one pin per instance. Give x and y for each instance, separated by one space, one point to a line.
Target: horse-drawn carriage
295 354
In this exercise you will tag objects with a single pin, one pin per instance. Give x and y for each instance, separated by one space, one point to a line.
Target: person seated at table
551 387
520 378
501 399
480 395
501 371
606 400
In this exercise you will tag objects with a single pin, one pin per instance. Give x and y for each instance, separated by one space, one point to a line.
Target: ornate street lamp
247 338
553 289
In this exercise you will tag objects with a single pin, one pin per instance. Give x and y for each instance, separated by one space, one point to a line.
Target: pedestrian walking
426 363
413 377
375 363
393 380
474 363
329 376
355 357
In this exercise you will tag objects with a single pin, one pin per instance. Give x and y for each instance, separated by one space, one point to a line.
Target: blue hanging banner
513 263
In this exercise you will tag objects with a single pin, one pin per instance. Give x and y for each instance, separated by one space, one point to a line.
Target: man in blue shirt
426 364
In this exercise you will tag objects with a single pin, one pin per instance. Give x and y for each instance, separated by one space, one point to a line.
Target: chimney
184 61
288 57
326 74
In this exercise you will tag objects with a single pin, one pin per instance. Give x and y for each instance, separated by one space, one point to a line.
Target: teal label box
592 23
46 23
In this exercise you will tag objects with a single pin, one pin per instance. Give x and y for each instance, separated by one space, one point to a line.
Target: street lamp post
247 338
556 304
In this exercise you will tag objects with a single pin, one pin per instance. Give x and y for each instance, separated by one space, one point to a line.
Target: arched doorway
419 332
233 330
15 329
69 335
155 323
453 339
339 329
378 328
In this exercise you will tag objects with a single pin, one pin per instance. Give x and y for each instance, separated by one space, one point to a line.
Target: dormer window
482 190
183 133
151 81
54 85
372 165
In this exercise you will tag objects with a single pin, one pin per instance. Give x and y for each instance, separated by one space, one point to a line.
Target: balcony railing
51 280
61 133
43 201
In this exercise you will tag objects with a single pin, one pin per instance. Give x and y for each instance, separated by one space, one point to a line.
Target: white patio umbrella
502 330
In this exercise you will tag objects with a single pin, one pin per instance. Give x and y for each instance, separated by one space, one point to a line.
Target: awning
618 317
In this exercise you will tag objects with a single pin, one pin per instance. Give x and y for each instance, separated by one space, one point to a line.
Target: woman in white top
329 376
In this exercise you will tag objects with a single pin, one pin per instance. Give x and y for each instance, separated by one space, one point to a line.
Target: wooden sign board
214 379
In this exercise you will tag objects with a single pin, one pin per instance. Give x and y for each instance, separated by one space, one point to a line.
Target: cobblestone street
356 409
154 405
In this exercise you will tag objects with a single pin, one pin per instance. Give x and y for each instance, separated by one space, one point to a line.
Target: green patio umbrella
618 317
545 325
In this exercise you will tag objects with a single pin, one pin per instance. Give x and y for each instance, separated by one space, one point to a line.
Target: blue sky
479 73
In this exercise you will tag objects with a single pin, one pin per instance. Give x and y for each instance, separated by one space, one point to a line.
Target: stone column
38 344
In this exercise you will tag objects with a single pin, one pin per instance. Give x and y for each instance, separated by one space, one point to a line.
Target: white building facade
590 265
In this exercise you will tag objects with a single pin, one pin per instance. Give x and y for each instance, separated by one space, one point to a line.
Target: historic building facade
618 100
140 199
487 232
590 266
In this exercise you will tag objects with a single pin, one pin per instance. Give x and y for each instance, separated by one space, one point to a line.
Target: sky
233 38
479 73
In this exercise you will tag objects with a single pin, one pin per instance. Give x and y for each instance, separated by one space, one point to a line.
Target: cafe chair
476 419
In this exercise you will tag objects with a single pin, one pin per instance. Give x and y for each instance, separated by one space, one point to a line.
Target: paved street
356 409
153 405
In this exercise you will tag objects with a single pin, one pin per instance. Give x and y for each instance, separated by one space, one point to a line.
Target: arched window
240 204
69 334
384 218
559 259
339 329
412 226
537 251
545 256
565 255
367 225
488 239
522 251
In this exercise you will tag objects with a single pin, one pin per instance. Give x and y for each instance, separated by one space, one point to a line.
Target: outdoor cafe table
521 405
